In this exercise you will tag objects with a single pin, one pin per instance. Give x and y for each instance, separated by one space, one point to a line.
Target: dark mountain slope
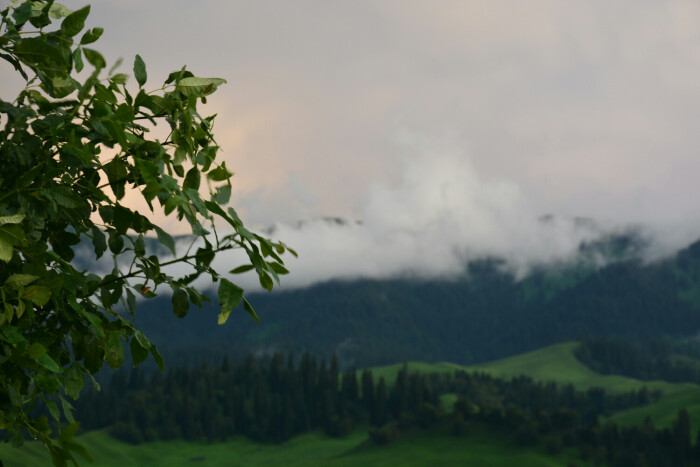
483 315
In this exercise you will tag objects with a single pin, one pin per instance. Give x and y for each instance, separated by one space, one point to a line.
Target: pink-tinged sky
516 108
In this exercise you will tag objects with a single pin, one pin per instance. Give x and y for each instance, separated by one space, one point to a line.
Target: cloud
438 215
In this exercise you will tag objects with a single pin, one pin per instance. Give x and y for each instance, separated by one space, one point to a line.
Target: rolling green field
558 363
555 363
389 372
476 448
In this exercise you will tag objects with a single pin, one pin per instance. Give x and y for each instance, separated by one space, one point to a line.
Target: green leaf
74 382
265 247
75 22
198 86
37 294
9 311
242 269
180 302
165 239
91 35
140 70
138 353
98 241
116 172
20 309
116 131
293 252
64 196
172 203
147 169
49 363
216 209
219 174
12 335
278 268
78 60
139 246
6 250
123 218
114 351
192 179
22 13
124 113
120 78
20 280
266 281
222 195
95 58
249 308
131 301
16 64
94 357
230 296
36 350
80 449
81 153
68 432
143 340
13 219
58 11
36 51
53 409
115 242
68 408
204 256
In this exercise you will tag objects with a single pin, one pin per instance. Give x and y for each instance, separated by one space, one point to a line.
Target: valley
435 446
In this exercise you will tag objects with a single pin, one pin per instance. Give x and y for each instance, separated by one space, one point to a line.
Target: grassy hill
557 363
479 448
389 372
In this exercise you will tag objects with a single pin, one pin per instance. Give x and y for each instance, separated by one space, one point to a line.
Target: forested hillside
274 399
484 314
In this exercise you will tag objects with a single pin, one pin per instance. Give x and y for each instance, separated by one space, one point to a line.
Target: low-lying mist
438 216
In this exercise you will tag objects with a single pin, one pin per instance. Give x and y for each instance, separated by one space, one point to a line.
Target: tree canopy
74 145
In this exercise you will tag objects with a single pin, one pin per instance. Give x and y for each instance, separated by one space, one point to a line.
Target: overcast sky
591 108
375 110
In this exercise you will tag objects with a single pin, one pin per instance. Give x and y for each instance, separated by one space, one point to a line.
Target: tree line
276 398
269 400
485 314
653 360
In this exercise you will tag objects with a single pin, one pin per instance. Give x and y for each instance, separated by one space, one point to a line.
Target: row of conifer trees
275 398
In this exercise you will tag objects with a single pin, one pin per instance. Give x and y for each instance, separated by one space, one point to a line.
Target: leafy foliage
73 152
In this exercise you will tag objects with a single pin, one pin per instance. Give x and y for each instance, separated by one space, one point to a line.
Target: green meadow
435 449
557 363
478 447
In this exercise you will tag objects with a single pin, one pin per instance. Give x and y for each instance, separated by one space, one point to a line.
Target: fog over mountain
438 215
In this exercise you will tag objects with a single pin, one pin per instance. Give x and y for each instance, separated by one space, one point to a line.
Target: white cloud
439 214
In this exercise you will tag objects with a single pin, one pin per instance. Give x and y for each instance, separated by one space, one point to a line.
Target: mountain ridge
484 314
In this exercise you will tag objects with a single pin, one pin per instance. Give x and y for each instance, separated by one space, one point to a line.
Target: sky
447 128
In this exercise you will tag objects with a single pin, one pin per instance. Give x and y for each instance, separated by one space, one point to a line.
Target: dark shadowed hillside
483 315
